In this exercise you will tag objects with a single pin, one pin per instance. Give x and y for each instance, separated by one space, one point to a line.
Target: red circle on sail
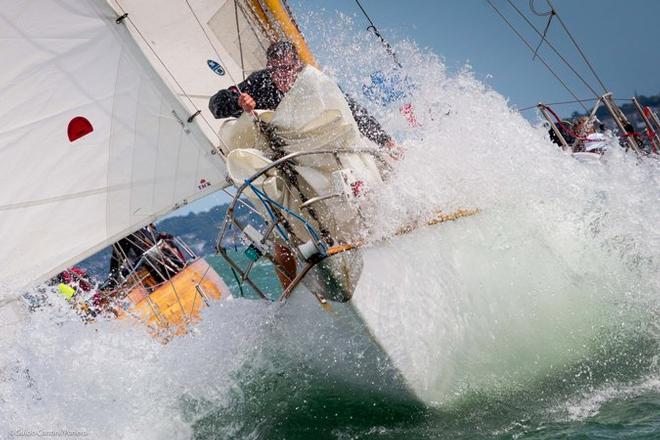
79 127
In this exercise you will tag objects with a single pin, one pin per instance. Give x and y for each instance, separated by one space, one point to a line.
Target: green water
263 275
283 401
613 394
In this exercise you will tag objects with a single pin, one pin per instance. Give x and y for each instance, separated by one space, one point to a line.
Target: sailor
165 254
126 254
589 140
265 89
565 129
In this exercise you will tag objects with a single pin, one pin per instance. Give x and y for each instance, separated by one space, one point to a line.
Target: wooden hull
175 304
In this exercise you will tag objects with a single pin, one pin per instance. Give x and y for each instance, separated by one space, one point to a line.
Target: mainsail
99 132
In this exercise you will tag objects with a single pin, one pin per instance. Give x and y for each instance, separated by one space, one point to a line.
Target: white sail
70 186
184 37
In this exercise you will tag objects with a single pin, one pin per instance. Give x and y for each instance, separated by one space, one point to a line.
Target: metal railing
279 221
632 140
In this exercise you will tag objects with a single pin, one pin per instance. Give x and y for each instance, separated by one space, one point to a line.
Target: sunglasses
283 68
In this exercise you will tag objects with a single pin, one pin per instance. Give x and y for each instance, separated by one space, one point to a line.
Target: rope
438 217
633 134
372 28
568 102
264 201
169 72
540 58
267 200
577 46
553 48
540 14
545 33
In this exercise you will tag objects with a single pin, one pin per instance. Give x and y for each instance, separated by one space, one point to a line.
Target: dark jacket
267 97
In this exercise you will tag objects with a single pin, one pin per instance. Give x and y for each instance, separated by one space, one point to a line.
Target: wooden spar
438 217
290 29
653 133
555 129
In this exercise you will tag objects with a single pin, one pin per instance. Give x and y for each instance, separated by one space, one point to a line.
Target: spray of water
555 274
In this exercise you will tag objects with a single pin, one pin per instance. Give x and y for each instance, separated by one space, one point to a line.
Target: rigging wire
254 115
169 72
577 46
145 247
372 28
240 44
201 26
540 58
553 12
133 269
247 205
575 101
553 48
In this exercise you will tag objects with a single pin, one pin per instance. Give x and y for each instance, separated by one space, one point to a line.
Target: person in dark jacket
265 89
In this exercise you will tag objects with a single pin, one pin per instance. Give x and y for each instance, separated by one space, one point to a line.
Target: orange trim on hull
166 314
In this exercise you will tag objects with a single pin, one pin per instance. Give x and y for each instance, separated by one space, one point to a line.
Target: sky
620 38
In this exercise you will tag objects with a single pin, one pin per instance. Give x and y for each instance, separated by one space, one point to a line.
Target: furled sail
93 141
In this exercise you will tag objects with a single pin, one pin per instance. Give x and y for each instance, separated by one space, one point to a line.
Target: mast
289 29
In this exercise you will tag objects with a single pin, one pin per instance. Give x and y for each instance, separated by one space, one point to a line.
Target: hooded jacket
261 88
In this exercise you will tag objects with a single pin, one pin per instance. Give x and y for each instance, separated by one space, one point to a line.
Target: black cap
280 49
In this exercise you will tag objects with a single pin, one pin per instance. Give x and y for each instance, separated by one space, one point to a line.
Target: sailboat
107 120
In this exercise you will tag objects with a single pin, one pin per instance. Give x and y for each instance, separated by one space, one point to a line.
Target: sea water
543 309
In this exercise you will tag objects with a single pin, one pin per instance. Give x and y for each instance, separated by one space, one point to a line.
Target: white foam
112 380
589 404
